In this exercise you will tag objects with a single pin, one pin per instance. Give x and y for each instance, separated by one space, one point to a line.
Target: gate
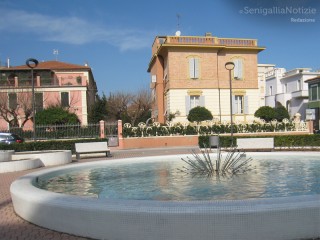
111 131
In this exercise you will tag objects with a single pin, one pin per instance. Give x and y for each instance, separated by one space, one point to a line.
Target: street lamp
230 66
32 63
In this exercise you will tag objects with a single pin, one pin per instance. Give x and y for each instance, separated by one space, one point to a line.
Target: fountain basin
280 218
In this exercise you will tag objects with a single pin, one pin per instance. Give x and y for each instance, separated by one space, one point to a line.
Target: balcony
300 94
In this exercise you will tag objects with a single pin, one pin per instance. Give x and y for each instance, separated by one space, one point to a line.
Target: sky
115 36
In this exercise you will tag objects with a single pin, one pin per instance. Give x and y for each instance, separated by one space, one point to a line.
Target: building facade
290 89
189 71
55 84
314 100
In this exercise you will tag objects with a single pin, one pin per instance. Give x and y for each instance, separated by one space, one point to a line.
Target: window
38 98
299 85
193 68
238 69
239 104
285 88
13 100
193 101
270 91
314 92
64 99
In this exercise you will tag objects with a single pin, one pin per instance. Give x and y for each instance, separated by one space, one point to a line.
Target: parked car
9 138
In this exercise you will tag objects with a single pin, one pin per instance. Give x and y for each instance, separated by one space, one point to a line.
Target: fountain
133 212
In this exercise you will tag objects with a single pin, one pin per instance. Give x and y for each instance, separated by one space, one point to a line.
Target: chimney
8 62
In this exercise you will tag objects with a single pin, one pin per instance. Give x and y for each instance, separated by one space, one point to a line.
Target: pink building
56 83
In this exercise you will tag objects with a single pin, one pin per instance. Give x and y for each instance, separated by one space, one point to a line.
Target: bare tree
118 104
140 106
17 113
129 107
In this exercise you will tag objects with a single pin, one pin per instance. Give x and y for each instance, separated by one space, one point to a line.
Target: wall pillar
310 126
102 127
120 136
38 84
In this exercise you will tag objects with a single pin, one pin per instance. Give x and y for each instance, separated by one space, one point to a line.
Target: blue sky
115 36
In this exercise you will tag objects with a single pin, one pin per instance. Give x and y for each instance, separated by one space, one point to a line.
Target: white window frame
240 104
193 101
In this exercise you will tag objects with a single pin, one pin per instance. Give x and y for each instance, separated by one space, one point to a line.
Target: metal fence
68 131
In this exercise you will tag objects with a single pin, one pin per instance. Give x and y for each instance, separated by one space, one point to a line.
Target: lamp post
230 66
32 63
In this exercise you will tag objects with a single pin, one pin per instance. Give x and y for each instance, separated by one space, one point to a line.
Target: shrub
281 113
56 116
199 114
266 113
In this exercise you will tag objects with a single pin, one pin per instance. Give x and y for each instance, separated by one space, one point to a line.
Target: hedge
279 141
47 145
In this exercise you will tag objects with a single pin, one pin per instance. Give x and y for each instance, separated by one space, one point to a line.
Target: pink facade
55 84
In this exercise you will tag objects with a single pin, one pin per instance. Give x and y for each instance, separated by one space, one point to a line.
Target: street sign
310 114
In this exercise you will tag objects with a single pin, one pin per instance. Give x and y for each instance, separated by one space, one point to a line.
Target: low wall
159 141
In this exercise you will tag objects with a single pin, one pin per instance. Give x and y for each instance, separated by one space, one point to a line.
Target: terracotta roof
52 65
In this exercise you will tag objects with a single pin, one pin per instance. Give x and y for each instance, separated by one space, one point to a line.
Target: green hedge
47 145
279 141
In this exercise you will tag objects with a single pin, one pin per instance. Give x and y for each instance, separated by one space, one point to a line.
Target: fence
211 128
67 131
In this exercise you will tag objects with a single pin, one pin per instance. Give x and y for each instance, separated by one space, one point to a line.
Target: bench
263 144
92 147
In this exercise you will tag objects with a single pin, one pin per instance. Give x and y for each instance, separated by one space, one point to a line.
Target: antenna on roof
56 53
178 32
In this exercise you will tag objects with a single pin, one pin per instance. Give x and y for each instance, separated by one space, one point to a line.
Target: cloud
71 30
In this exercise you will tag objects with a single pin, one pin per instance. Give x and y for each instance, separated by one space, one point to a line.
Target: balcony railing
211 41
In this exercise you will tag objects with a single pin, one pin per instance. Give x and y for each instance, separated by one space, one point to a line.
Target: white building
262 70
288 88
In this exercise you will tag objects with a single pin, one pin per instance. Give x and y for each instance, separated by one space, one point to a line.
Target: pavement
12 227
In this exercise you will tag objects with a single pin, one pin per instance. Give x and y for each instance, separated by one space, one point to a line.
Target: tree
98 111
199 114
281 113
266 113
56 116
129 107
18 110
139 109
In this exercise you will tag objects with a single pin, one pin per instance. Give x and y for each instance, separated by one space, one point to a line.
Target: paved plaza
12 227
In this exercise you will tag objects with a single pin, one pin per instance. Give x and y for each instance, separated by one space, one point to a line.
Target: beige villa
189 71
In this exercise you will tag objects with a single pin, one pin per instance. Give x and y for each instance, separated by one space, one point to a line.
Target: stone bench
92 147
263 144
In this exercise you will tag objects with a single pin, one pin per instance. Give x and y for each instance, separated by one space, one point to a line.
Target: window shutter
238 69
191 67
187 102
234 105
202 102
196 68
246 105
